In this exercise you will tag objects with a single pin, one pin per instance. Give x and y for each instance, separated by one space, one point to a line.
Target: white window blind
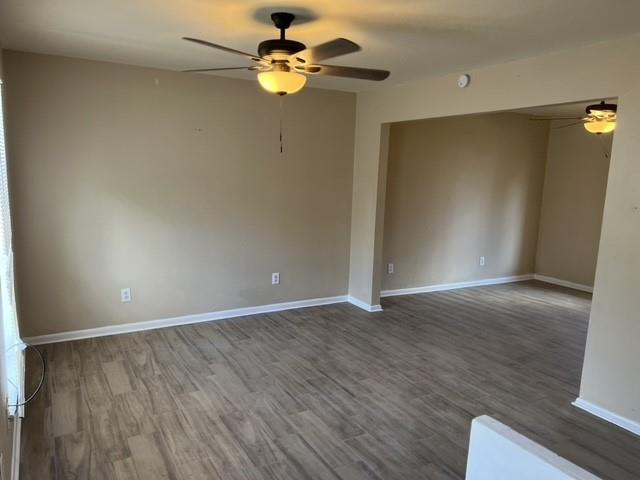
12 346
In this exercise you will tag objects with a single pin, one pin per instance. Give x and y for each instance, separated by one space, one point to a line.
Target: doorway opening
493 198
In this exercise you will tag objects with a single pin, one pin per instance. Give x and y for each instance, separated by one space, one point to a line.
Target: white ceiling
412 38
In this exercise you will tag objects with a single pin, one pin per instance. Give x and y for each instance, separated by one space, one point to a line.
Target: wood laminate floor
327 392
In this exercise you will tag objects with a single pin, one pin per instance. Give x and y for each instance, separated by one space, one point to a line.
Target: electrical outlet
275 278
125 295
389 267
482 261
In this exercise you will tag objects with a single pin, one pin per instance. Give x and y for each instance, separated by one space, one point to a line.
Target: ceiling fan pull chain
281 115
601 140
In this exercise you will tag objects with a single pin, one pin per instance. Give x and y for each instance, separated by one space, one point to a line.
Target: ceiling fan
600 118
281 62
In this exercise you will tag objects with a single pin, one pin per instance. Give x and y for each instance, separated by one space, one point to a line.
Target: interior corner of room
283 271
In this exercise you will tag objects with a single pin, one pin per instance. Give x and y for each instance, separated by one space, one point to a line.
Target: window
12 346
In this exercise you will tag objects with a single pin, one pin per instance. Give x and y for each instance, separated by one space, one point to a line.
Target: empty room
350 241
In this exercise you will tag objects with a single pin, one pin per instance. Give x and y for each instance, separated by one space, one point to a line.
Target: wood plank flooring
328 392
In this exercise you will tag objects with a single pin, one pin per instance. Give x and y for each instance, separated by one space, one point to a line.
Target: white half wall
496 452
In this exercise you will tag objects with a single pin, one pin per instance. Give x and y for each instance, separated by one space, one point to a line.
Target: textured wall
459 188
173 185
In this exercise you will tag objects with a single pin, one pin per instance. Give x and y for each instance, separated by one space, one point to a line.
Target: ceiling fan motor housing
602 107
279 47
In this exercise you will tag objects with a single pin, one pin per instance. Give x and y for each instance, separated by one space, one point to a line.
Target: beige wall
572 203
610 375
459 188
610 372
173 185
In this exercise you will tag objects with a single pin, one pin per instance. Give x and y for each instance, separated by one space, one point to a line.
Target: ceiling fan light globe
600 126
282 83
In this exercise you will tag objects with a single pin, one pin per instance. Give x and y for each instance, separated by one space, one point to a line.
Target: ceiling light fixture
282 82
600 126
601 118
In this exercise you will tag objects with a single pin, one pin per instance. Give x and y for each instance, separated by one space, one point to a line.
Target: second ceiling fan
282 63
599 118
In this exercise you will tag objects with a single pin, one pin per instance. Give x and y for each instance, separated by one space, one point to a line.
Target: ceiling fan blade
349 72
568 125
249 56
196 70
556 118
330 49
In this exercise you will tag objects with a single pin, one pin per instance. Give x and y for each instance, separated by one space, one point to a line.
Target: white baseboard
563 283
452 286
275 307
15 449
364 305
182 320
609 416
